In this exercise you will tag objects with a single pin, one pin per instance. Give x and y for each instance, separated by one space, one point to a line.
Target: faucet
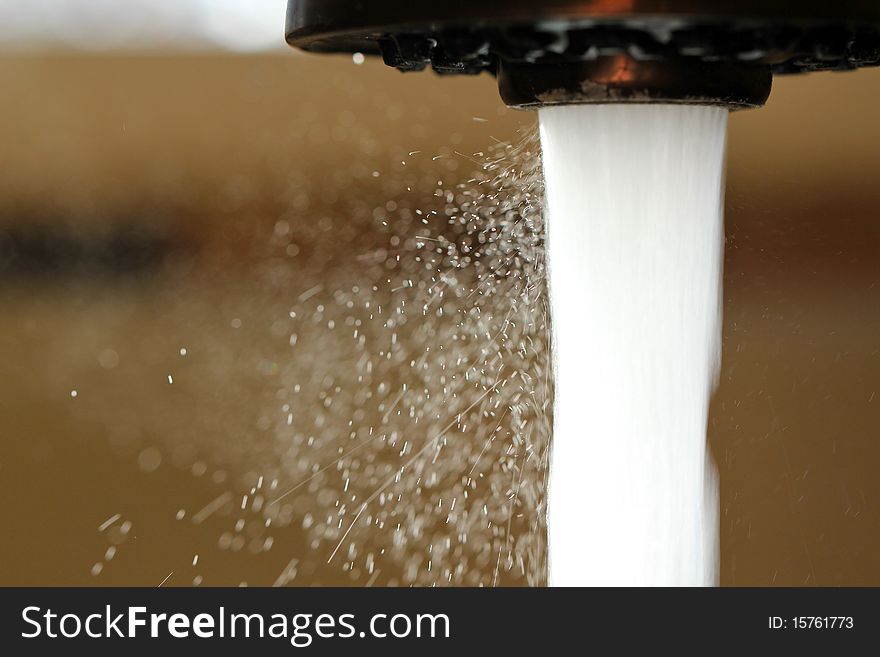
561 52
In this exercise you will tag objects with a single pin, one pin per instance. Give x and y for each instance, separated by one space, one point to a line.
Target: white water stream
634 242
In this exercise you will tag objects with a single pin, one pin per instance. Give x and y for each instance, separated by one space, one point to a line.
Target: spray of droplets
426 464
387 385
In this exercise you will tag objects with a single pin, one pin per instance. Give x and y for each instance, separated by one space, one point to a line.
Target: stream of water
634 250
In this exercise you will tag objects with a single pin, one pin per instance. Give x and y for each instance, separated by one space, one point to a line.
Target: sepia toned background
160 211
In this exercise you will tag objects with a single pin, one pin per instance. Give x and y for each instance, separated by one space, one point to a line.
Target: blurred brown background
154 204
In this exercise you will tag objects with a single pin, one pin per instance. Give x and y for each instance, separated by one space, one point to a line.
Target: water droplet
149 459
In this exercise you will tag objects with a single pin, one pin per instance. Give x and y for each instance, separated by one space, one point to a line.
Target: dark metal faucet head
721 52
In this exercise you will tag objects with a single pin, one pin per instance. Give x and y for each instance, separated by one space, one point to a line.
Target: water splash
426 461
